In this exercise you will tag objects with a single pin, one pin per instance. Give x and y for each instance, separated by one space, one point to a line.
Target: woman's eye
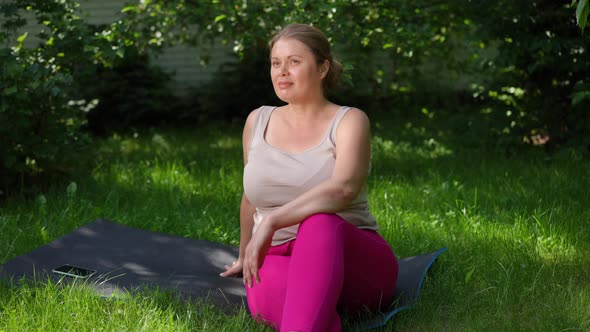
275 64
294 61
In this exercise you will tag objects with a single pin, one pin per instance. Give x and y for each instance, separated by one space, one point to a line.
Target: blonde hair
320 47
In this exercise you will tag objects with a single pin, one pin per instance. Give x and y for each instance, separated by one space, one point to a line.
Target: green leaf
220 17
72 188
10 91
55 91
582 12
579 97
133 8
22 37
41 200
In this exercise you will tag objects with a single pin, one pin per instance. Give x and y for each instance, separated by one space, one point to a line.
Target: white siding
182 61
101 11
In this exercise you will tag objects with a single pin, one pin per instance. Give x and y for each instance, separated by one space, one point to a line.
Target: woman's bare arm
246 208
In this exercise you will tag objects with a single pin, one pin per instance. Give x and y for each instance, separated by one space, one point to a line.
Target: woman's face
296 76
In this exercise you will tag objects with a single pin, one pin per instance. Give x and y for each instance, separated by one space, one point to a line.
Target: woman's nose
283 70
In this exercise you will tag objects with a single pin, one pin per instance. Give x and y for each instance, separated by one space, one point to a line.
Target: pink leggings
331 265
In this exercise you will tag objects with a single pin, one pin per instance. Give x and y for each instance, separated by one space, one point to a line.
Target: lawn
517 226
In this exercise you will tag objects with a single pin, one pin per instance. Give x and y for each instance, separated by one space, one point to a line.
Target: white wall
183 61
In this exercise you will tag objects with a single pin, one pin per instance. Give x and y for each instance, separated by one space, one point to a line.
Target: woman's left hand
256 251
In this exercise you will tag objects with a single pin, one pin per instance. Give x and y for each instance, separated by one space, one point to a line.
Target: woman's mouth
284 85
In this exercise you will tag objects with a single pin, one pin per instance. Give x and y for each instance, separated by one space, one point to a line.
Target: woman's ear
325 68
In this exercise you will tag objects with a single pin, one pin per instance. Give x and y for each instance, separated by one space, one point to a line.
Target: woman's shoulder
355 115
252 123
349 122
254 115
263 108
354 121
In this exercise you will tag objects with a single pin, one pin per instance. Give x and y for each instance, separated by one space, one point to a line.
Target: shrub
39 118
237 88
130 93
77 70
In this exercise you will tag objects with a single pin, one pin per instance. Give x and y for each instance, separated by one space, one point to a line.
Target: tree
382 43
536 83
582 11
41 110
539 76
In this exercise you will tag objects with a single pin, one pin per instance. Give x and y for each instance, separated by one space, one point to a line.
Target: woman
308 246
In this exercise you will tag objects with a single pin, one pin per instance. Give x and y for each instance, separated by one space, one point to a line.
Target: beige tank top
273 177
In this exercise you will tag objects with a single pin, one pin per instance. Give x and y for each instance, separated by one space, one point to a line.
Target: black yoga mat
126 259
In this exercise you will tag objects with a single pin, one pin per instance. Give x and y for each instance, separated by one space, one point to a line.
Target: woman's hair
319 45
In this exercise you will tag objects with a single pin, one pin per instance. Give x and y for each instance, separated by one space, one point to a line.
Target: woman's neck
308 108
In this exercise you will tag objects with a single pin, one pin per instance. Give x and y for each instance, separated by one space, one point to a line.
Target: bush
538 86
47 91
131 93
39 118
238 88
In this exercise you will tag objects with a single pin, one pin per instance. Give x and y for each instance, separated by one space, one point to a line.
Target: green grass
50 307
517 227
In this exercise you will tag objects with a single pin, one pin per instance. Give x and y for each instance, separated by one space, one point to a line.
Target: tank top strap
339 115
262 117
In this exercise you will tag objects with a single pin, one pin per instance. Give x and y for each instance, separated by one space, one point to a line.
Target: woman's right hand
234 270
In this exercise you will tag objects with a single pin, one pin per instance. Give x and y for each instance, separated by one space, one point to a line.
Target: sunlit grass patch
517 228
428 148
48 306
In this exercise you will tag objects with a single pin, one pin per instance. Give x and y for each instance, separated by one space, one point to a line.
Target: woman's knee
321 222
266 299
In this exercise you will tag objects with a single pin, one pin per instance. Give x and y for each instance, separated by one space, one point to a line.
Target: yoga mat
127 259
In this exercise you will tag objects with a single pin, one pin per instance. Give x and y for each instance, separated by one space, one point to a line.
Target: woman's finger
247 274
248 267
254 270
230 271
255 274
